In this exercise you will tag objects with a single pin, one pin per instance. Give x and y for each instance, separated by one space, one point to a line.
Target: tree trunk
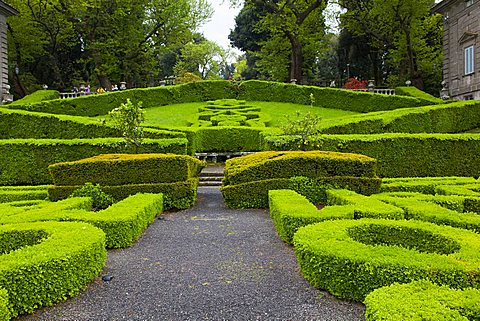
415 77
296 59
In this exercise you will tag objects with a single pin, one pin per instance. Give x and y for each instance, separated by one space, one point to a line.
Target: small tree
304 127
128 119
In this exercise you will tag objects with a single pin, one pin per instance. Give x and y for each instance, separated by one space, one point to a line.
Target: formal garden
378 195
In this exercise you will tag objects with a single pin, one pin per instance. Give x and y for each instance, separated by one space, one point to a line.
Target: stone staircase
211 175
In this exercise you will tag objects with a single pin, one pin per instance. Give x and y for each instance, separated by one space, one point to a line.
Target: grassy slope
176 115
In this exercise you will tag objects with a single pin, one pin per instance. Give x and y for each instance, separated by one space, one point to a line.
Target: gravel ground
205 263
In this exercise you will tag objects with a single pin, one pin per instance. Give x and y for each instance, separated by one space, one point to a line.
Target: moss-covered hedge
25 124
422 301
454 117
177 195
123 169
51 262
314 164
122 222
94 105
351 258
363 102
26 161
401 155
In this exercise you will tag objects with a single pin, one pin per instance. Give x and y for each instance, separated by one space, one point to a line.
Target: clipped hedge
424 185
456 117
24 124
122 222
21 193
290 211
37 96
422 301
4 311
255 194
177 195
94 105
53 261
351 258
314 164
123 169
401 155
362 102
413 91
26 161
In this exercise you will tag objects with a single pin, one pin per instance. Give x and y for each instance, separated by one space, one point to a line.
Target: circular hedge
420 301
351 258
46 262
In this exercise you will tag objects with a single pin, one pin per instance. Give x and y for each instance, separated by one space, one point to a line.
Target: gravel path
205 263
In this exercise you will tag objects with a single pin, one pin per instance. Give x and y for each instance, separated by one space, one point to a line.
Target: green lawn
176 115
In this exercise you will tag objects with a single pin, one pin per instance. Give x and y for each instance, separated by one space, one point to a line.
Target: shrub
362 102
24 124
37 96
304 127
127 119
413 91
25 162
422 300
402 155
4 311
56 264
122 169
123 222
314 164
177 195
351 258
100 200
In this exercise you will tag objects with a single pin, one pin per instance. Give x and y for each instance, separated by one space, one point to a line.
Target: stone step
210 178
209 183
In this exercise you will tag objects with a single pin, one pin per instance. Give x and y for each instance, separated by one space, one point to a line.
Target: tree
402 28
128 119
201 58
304 126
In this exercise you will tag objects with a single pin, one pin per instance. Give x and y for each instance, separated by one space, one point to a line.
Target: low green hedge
54 261
421 210
401 155
424 185
4 311
422 301
178 195
26 161
94 105
122 222
365 207
36 97
314 164
351 258
362 102
255 194
290 211
123 169
24 124
413 91
21 193
454 117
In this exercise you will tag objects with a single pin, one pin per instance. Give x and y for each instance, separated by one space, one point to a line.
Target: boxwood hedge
26 161
4 311
20 193
122 169
401 155
422 301
351 258
122 222
413 91
46 262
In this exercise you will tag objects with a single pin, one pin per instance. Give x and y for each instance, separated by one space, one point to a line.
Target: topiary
100 200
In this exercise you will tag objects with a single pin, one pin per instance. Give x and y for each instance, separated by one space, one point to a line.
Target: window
469 2
469 60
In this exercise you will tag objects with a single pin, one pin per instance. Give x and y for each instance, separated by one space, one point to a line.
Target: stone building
461 68
5 12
